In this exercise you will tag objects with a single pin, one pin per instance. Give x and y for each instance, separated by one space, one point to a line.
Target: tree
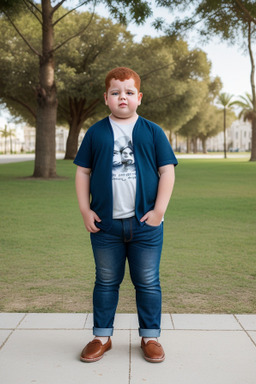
19 69
205 122
81 67
247 109
46 92
229 19
175 85
224 100
7 133
174 81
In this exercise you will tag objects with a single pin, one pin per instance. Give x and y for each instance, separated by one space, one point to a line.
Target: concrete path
19 158
4 159
200 349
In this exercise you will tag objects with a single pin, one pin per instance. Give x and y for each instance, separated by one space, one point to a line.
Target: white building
61 139
238 138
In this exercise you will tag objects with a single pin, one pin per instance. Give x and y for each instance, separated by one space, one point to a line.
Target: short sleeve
84 154
164 151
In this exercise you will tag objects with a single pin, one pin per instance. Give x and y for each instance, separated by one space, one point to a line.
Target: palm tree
247 112
224 100
5 134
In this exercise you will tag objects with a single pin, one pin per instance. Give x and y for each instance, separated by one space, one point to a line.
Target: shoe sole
154 360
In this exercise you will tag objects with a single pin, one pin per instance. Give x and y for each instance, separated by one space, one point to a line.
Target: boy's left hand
152 218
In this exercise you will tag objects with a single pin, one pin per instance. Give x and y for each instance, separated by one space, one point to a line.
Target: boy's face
123 99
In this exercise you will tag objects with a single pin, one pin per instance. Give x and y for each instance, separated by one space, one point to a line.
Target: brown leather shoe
153 351
95 350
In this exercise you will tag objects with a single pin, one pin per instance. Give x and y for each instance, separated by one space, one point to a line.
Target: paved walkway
4 159
200 349
18 158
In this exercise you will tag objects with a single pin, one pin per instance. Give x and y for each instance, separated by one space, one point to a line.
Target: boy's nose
122 96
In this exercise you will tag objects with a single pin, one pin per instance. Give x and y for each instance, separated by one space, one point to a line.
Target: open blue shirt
151 151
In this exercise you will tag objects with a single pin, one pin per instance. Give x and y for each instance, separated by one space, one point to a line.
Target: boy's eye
114 93
130 93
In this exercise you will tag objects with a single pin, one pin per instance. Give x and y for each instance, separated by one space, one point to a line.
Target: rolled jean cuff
103 331
149 332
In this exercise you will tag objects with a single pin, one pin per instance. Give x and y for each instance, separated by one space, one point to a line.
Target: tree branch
34 5
21 35
245 11
31 10
146 75
74 35
33 113
159 98
252 66
67 13
89 110
54 9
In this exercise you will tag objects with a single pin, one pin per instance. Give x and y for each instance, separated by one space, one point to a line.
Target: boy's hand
152 218
89 221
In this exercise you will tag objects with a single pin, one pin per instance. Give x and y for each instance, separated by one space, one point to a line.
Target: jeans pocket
153 226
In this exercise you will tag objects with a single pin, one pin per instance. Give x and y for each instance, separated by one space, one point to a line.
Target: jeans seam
131 231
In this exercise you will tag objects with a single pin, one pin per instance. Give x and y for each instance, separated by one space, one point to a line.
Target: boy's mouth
122 105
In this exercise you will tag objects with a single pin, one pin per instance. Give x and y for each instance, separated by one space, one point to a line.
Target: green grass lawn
209 256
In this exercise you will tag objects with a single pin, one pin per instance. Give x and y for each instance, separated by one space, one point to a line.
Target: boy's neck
125 121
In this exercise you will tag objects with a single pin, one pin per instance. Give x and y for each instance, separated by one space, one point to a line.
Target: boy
126 164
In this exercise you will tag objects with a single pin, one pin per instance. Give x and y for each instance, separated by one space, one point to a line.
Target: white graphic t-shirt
123 171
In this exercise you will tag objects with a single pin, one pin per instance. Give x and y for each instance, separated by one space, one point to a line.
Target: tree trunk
78 115
253 149
225 144
72 142
253 152
194 140
204 145
45 161
176 142
188 144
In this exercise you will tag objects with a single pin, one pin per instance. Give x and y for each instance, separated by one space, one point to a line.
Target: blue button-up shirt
151 151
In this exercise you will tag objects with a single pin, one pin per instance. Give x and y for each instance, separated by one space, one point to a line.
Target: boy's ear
140 97
105 97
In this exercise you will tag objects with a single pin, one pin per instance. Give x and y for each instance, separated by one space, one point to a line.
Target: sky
228 62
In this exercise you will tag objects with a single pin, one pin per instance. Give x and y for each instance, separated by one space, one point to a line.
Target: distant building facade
61 139
238 138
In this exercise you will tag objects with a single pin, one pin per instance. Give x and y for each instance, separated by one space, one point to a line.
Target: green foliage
175 80
127 10
246 105
11 6
211 17
19 68
82 63
207 121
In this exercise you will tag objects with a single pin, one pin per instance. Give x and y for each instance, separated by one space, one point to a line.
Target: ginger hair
122 73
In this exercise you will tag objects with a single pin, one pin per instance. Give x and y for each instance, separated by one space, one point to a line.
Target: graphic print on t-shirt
123 159
123 172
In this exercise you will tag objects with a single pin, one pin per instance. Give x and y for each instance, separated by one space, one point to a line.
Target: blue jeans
142 246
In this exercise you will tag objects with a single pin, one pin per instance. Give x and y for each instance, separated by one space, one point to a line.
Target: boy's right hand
89 221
